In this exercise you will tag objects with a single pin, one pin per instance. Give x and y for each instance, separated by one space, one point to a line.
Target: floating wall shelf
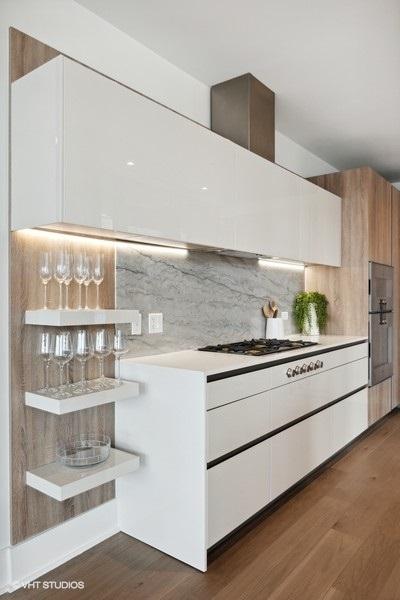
65 318
49 402
61 482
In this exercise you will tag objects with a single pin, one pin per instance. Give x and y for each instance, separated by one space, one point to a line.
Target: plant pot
310 325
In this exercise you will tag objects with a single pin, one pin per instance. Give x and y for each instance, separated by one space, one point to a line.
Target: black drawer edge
278 361
232 453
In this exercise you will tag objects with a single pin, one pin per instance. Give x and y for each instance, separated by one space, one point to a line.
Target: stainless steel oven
380 322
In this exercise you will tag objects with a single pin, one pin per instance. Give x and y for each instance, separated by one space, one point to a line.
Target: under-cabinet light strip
281 264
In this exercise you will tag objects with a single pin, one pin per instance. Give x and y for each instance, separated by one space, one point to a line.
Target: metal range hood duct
243 111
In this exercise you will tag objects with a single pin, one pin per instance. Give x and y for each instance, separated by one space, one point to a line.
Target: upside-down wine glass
46 273
83 350
60 273
80 274
63 353
102 349
98 275
120 347
46 353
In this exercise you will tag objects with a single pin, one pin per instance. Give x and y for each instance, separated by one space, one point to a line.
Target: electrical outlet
155 322
136 325
285 316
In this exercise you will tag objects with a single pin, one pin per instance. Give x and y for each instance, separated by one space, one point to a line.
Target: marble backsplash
205 298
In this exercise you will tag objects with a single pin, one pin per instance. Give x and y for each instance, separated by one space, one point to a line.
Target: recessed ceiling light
204 188
130 163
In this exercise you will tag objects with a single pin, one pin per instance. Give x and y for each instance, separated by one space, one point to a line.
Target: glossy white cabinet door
298 450
151 171
267 207
350 418
320 225
237 489
231 426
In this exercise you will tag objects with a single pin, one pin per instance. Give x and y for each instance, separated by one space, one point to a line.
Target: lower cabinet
242 485
237 489
349 419
298 450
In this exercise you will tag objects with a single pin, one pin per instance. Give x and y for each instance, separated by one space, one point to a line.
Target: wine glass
60 272
120 347
83 351
102 349
46 273
63 353
98 275
68 276
87 281
80 274
46 353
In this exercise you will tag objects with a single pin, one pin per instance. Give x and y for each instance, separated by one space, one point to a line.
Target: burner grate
258 347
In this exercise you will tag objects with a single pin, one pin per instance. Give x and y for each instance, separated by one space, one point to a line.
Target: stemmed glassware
102 349
98 275
68 276
83 350
63 353
60 273
120 347
46 273
80 274
46 353
87 281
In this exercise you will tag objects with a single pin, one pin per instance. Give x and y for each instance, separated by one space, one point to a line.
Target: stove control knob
319 364
311 367
304 368
289 373
297 370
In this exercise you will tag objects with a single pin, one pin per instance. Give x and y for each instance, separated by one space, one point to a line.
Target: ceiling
334 65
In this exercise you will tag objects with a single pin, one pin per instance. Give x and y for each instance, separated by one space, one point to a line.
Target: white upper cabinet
90 152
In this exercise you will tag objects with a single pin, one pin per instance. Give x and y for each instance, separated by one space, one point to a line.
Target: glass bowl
84 450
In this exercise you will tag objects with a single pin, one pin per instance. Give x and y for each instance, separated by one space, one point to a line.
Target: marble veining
205 298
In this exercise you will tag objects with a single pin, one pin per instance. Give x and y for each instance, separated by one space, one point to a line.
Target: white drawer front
289 402
330 361
241 386
350 418
237 489
235 424
236 387
298 450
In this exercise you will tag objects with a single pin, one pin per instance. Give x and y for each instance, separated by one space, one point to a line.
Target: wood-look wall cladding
370 227
34 432
396 295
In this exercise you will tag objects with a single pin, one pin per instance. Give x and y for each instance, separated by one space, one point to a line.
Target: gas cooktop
259 347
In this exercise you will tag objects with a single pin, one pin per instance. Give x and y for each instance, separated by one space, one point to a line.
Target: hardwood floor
337 539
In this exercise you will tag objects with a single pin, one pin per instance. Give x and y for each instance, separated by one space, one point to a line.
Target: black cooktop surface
259 347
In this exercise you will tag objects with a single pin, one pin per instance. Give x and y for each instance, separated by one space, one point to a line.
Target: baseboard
29 560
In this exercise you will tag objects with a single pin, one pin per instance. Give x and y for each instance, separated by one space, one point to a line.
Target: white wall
80 34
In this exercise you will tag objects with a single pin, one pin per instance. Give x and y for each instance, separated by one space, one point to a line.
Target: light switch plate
155 322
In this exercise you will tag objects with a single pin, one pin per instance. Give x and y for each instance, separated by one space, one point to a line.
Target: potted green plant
310 312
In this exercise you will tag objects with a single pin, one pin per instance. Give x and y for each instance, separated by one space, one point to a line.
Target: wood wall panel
347 287
379 400
396 295
27 54
380 218
35 433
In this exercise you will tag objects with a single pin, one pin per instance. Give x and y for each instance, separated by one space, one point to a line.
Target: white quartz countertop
211 363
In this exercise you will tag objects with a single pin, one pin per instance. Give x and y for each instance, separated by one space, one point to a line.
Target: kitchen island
221 436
